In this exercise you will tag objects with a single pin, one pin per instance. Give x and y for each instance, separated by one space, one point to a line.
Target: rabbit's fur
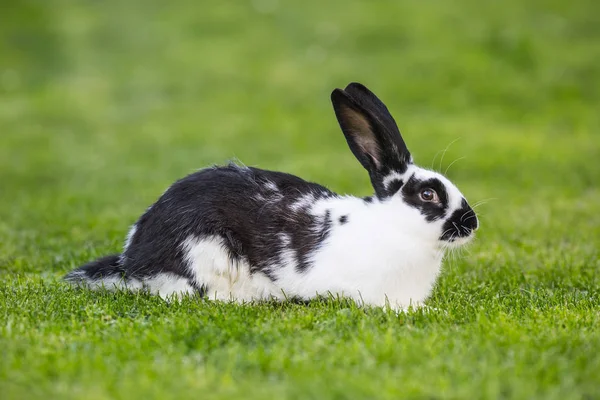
240 233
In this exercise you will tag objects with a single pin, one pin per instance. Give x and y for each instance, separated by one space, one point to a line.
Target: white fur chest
379 256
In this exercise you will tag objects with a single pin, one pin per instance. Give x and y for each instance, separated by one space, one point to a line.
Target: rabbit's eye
429 195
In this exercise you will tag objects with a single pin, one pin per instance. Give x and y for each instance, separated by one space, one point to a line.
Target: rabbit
236 233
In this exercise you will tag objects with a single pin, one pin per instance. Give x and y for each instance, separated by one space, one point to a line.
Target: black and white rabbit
241 233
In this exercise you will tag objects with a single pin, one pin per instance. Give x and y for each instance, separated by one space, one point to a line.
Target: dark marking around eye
343 219
411 196
368 199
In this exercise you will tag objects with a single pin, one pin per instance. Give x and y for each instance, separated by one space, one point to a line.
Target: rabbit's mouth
460 227
457 234
457 241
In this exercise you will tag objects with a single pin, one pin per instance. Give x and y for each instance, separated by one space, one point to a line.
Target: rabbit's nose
470 223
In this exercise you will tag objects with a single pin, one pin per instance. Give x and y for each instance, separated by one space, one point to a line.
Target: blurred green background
103 104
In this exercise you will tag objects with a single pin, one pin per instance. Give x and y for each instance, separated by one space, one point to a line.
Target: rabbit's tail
107 272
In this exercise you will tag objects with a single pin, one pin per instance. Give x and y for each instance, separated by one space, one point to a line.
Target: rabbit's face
431 204
448 217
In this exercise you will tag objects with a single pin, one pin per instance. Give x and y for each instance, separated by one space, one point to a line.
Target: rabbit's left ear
370 130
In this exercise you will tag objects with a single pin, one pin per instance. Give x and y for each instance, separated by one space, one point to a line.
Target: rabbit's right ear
370 131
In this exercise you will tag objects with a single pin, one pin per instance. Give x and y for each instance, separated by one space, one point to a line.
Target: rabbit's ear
370 130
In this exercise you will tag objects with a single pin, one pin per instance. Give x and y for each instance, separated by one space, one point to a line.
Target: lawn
104 104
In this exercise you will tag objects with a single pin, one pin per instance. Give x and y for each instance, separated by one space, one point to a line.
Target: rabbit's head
429 203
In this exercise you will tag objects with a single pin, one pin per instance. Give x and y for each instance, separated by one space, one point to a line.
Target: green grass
104 104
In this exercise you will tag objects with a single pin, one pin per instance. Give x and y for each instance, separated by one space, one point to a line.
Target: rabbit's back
223 221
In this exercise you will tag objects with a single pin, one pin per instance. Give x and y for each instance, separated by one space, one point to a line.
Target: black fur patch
411 195
234 203
304 245
368 199
325 225
343 219
95 270
460 224
394 186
